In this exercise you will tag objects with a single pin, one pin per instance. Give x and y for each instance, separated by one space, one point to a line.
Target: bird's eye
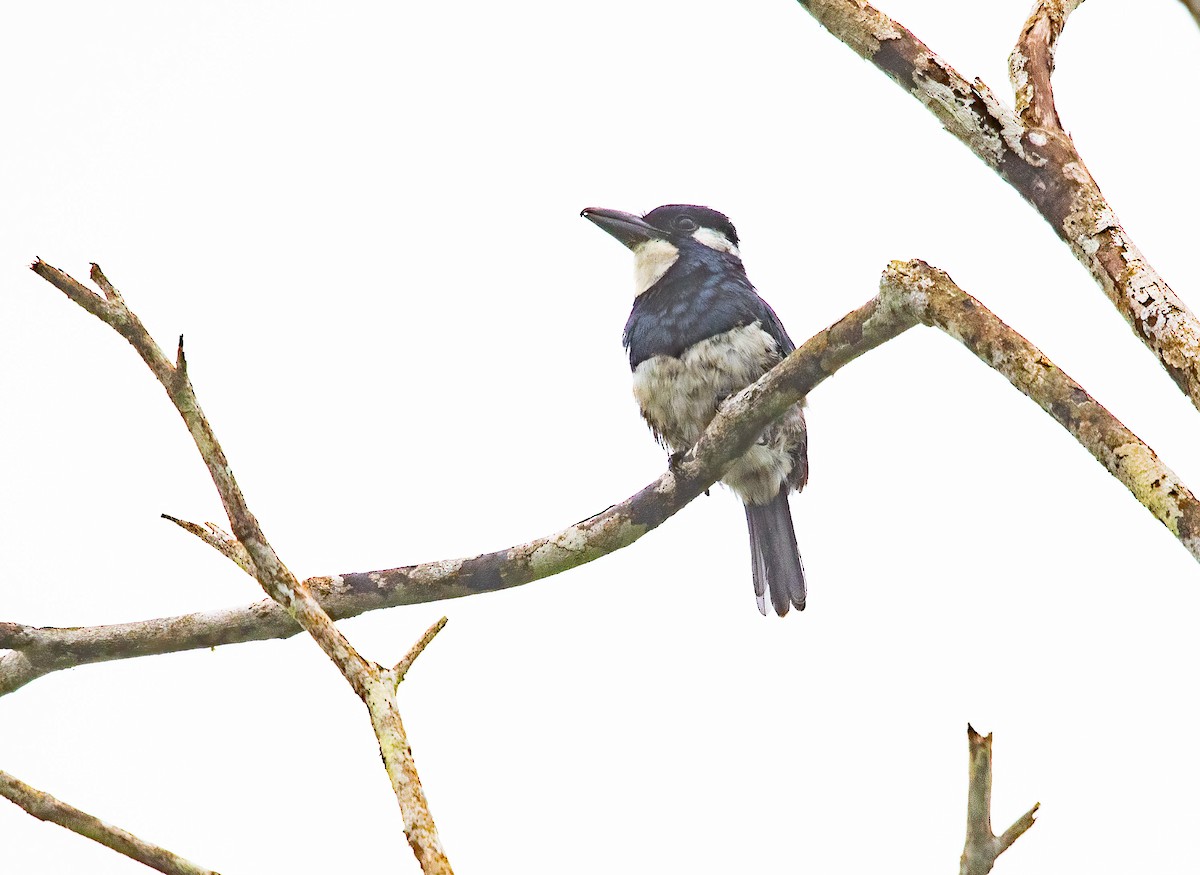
686 223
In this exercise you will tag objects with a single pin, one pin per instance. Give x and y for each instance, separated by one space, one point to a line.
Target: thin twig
982 847
221 541
400 669
110 291
45 807
1035 156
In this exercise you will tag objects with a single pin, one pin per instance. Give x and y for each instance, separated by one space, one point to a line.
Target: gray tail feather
774 556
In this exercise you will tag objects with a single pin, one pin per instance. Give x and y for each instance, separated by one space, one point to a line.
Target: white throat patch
651 260
715 240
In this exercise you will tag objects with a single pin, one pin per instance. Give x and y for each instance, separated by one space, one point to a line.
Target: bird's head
660 237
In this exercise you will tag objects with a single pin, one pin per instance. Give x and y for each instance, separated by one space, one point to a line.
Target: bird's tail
774 556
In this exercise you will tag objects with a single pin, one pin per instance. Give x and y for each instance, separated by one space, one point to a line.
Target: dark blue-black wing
697 299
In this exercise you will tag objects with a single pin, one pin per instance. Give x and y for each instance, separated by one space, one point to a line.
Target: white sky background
364 218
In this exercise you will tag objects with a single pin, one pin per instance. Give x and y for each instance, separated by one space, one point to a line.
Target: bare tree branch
1032 152
43 806
939 302
982 846
910 292
400 669
221 541
1031 63
374 686
419 828
1193 6
380 697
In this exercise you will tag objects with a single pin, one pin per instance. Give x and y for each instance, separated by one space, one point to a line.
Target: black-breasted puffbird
699 333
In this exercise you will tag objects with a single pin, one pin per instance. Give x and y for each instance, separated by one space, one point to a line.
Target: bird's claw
675 460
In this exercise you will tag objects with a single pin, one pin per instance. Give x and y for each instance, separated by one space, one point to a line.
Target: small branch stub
400 669
219 540
110 291
982 847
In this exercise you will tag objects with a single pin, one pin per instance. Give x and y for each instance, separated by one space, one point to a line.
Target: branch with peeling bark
910 293
1030 150
251 551
983 846
45 807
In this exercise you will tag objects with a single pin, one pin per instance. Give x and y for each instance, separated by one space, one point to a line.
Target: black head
685 220
674 223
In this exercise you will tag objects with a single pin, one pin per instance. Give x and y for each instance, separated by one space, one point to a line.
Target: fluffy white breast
651 260
678 396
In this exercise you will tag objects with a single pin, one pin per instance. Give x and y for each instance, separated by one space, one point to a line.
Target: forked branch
1031 151
375 686
982 846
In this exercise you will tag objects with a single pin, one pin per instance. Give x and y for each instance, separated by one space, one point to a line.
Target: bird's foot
675 460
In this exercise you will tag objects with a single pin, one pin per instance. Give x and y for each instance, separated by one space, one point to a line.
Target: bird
697 334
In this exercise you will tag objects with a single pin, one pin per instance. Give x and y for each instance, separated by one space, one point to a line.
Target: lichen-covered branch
939 302
1031 63
254 553
379 695
982 846
419 827
400 669
910 292
225 544
1032 152
45 807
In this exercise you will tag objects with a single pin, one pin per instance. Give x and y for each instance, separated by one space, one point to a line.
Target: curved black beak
629 229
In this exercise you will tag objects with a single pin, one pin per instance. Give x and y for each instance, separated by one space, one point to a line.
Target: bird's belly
679 396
